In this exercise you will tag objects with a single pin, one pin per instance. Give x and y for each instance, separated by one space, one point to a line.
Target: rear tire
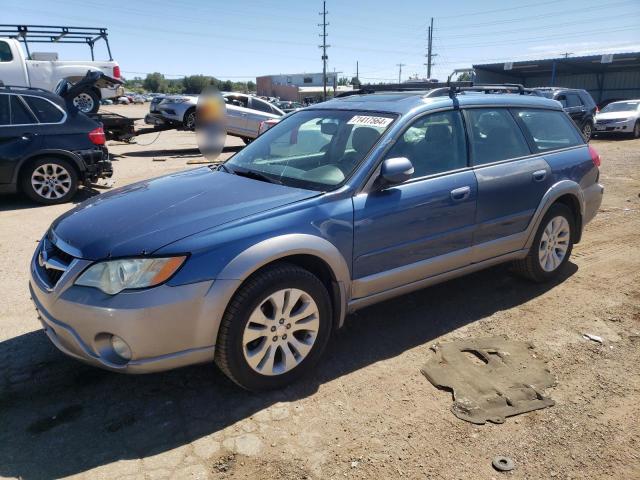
275 328
551 246
587 130
50 181
87 101
247 140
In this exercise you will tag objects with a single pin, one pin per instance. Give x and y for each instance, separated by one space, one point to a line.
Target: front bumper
165 327
605 126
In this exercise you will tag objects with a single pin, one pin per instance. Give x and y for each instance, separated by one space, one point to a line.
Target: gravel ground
367 412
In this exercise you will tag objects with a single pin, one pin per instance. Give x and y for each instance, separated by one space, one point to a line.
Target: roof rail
56 34
22 87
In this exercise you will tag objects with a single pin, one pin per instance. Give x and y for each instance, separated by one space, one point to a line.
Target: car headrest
364 138
438 133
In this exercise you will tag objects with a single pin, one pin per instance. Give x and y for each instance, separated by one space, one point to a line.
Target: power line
324 47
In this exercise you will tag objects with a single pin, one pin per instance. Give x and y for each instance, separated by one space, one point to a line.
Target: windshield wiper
222 166
255 175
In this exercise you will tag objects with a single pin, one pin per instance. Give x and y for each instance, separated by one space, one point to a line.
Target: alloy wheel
51 181
586 130
83 102
281 332
554 243
190 122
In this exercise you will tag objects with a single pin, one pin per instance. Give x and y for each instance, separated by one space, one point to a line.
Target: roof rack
56 34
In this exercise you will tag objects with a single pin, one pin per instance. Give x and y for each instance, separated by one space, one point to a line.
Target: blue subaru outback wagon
253 263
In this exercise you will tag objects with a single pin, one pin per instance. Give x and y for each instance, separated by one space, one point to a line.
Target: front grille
52 262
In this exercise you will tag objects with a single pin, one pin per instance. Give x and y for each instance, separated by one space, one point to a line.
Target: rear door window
5 118
573 100
46 111
5 52
20 114
549 129
494 135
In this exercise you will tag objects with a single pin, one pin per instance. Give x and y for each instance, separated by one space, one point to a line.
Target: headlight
113 276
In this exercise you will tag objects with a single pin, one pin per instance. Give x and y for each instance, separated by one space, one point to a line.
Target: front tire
50 181
87 101
275 328
636 129
551 246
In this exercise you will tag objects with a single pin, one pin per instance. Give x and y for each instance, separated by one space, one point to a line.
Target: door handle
539 175
26 136
460 194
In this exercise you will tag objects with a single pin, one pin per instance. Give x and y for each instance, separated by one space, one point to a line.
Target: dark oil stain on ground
66 415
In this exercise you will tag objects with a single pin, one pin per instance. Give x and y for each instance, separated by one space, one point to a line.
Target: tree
343 81
251 86
197 83
155 82
355 81
464 77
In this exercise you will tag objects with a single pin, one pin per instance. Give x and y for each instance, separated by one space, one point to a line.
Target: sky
242 39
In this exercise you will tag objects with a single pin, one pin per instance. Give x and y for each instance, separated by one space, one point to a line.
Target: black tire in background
44 170
529 267
230 356
587 130
636 129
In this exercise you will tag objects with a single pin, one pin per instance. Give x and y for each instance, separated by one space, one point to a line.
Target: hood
610 115
142 217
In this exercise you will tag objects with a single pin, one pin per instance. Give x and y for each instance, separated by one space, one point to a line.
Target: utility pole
324 47
400 65
358 73
430 53
566 54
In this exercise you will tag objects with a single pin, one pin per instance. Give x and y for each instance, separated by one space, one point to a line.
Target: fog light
120 347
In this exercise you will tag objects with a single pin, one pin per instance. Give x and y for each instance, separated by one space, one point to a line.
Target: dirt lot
367 412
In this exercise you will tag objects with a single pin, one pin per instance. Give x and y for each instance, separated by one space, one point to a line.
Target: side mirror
395 170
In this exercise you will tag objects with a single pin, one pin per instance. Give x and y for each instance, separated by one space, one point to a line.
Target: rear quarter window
5 52
20 114
549 129
46 111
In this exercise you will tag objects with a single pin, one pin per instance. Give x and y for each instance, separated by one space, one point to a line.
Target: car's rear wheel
275 328
50 181
551 246
587 130
87 101
247 140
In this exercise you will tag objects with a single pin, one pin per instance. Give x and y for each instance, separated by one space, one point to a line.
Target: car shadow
19 201
60 417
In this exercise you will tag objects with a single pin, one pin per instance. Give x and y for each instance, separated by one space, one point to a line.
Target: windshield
621 107
313 149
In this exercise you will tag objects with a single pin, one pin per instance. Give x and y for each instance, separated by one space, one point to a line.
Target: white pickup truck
44 70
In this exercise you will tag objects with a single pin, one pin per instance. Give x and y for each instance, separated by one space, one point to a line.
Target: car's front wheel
275 328
636 129
551 246
189 122
50 181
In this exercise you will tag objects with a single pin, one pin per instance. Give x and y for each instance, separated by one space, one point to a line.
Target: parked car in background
287 107
48 150
253 263
123 101
138 99
577 103
244 113
18 70
619 117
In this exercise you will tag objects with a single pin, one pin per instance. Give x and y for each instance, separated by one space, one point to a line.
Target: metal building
607 77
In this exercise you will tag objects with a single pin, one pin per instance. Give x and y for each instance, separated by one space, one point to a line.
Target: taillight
595 158
116 71
97 136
